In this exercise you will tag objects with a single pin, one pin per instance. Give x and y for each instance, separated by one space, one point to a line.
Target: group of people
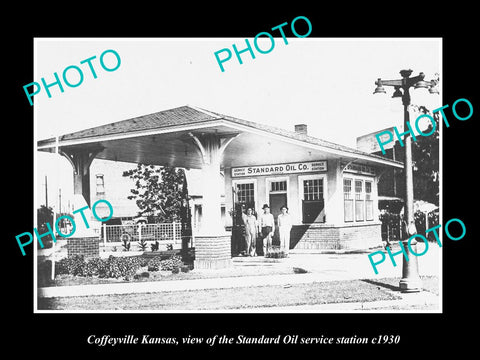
264 227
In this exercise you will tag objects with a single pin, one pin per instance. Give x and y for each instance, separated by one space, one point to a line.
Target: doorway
277 198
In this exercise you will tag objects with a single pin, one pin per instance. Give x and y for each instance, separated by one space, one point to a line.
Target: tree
426 159
425 156
160 192
45 216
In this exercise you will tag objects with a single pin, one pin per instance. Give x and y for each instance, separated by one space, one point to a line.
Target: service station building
330 189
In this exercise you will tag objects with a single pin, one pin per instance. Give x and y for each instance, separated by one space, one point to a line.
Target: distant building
330 189
369 143
391 182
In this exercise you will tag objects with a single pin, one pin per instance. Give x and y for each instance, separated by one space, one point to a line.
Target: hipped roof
162 138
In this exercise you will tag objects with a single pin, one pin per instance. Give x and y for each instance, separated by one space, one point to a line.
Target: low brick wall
315 237
86 246
212 252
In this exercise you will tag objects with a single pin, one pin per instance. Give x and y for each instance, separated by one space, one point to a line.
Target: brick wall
313 237
86 246
212 252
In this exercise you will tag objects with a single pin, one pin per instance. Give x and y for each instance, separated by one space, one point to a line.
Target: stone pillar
84 241
88 247
334 197
80 160
212 244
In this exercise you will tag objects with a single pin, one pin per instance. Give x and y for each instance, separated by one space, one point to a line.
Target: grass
429 283
238 298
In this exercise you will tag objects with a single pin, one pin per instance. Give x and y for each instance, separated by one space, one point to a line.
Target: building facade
331 190
333 204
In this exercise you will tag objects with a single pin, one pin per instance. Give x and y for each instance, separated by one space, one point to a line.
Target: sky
326 83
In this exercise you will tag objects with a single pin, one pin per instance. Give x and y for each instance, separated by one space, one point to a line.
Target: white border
35 310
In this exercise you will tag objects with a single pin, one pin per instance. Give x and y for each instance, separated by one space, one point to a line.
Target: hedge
113 267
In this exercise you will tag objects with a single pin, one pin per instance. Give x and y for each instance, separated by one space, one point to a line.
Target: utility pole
46 192
410 281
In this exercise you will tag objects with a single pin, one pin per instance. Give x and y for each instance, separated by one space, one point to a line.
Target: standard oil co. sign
280 169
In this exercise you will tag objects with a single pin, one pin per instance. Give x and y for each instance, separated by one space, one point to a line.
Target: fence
393 229
166 233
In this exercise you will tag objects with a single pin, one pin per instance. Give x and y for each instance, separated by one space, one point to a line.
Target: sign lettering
280 169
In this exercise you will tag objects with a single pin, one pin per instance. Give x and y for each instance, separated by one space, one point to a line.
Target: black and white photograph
246 185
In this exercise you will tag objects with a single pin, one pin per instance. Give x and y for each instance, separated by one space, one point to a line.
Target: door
313 206
276 202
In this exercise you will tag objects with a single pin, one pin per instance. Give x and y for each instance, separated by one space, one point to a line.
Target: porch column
213 243
84 241
80 161
334 197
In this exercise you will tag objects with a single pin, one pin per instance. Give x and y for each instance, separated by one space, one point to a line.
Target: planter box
166 254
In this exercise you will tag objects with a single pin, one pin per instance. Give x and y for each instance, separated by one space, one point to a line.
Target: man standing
284 227
267 226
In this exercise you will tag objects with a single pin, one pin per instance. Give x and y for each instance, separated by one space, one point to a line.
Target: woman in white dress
284 227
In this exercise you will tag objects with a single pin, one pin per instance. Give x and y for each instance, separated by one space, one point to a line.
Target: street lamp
410 281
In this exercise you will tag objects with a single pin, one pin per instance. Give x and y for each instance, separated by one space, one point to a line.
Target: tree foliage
160 192
44 215
426 160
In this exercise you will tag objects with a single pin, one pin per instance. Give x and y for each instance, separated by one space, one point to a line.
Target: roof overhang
172 145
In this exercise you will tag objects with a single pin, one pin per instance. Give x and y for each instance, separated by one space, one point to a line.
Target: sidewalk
320 267
176 285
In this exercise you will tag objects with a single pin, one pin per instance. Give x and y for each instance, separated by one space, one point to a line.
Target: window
100 184
368 201
278 186
348 200
245 193
359 203
313 203
358 199
313 189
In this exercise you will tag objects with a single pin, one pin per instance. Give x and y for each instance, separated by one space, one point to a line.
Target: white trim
204 111
373 180
313 146
301 178
227 123
128 135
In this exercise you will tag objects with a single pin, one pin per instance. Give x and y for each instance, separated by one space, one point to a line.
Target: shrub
154 263
126 242
157 263
142 261
170 264
95 267
155 246
113 267
143 244
74 265
116 267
